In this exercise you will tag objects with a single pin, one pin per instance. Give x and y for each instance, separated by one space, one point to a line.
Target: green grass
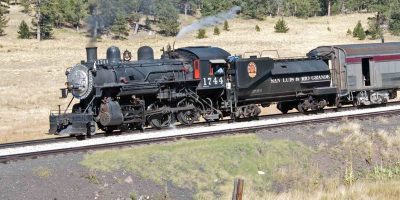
209 166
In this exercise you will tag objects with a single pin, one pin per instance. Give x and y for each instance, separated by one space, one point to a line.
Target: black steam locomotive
190 83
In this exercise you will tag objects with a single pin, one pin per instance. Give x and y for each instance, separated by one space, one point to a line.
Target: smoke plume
209 21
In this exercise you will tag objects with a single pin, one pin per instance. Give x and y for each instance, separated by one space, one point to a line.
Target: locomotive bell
113 55
145 53
91 54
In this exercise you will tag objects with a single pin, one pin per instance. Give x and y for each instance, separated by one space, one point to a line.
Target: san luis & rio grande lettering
300 79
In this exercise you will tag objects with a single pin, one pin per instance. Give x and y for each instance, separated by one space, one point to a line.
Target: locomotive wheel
186 117
283 108
161 121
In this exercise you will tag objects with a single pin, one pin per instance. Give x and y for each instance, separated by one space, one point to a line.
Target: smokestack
91 54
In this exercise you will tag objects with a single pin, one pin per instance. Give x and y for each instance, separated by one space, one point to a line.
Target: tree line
119 16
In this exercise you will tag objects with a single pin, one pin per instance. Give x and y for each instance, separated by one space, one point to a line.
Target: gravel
62 177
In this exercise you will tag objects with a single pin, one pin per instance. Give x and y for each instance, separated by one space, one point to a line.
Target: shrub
359 32
394 24
349 32
216 31
201 34
258 28
226 26
329 29
374 30
23 31
281 26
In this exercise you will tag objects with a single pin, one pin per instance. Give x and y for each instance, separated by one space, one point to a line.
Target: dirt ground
32 72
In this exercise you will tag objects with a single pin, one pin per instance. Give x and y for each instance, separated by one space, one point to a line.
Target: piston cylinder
110 114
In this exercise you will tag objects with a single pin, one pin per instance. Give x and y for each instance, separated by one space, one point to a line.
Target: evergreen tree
281 26
120 27
257 28
23 31
374 29
394 24
359 32
3 19
216 31
44 21
201 34
226 26
167 16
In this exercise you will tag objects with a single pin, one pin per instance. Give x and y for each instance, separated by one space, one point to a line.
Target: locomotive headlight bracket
64 93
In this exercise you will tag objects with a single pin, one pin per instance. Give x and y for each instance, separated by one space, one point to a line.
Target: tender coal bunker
366 71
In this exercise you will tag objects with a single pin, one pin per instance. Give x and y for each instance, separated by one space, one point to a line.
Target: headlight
80 81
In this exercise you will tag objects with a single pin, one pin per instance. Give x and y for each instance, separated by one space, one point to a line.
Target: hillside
32 72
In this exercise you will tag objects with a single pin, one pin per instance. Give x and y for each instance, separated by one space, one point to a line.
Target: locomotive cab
215 78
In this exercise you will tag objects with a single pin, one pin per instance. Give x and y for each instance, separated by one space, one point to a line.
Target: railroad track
98 135
188 133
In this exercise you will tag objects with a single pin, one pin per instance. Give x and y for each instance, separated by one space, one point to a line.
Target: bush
147 23
281 26
394 24
349 32
359 32
23 31
201 34
258 28
374 30
216 31
226 26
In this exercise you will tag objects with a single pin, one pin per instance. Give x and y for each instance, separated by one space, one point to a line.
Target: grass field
272 169
32 72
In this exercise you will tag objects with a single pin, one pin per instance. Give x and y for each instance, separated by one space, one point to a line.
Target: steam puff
209 21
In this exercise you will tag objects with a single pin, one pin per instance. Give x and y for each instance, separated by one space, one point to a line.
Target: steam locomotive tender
184 85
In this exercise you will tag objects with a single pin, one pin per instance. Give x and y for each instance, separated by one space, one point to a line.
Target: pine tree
394 24
201 34
3 19
44 21
23 32
359 32
281 26
216 31
226 26
258 28
120 27
374 29
167 16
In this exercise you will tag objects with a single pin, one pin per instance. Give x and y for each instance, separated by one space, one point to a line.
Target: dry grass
31 73
292 170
